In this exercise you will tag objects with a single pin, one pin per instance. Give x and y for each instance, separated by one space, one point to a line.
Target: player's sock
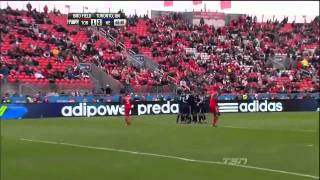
189 119
194 117
129 120
215 121
178 118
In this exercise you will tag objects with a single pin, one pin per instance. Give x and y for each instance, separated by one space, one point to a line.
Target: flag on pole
225 4
196 2
168 3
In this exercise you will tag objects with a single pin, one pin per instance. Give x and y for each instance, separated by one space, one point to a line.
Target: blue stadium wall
22 111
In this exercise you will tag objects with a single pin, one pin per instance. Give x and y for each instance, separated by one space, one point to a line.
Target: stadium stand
234 56
35 51
39 48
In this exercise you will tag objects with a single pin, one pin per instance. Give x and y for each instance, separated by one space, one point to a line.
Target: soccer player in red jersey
127 109
214 108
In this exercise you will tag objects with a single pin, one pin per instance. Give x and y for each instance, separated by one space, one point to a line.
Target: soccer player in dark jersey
183 107
192 105
179 92
202 107
199 107
196 108
188 112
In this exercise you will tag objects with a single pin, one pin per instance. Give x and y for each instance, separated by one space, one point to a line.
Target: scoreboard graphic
95 19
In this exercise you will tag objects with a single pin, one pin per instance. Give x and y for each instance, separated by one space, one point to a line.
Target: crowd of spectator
238 55
29 43
113 61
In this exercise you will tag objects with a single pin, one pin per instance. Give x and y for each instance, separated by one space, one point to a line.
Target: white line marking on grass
294 130
168 156
310 145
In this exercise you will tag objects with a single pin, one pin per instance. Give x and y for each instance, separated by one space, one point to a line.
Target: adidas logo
265 106
254 106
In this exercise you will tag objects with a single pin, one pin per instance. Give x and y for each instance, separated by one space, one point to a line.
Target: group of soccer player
192 107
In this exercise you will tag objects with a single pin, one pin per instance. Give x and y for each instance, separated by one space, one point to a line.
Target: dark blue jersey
183 98
192 100
183 104
199 100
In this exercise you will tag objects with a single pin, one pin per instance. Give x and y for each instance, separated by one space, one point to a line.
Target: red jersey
127 100
213 104
213 101
127 105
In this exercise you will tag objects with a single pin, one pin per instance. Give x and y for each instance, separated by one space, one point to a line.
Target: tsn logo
265 106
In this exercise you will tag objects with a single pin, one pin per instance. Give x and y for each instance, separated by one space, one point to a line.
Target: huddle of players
191 107
190 104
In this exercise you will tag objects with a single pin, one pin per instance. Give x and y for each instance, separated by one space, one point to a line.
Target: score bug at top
96 19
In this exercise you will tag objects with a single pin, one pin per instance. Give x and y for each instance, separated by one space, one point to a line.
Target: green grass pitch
276 146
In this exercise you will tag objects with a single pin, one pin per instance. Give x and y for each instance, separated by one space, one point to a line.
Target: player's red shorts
127 110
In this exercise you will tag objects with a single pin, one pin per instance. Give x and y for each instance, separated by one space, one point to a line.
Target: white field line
294 130
168 156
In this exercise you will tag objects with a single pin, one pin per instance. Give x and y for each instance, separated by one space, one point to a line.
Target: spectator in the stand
305 63
135 49
38 75
55 51
29 99
115 73
69 74
108 89
6 99
145 17
45 9
29 6
4 70
201 22
49 66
